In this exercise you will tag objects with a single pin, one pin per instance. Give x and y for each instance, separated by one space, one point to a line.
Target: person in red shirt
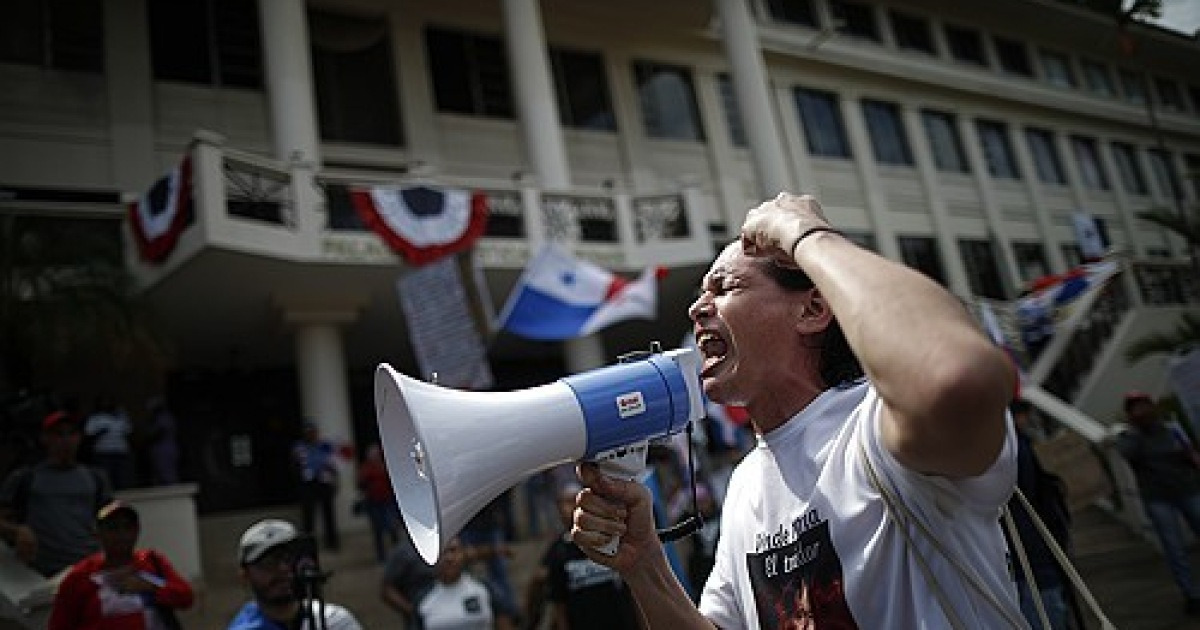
120 587
378 500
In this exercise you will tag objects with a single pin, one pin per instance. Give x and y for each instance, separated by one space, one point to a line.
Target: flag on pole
561 297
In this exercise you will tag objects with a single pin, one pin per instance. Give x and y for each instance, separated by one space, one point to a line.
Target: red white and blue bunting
158 218
420 223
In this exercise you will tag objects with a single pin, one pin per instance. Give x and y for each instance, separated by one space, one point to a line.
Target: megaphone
449 452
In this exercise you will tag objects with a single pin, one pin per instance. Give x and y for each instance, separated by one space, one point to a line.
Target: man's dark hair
838 363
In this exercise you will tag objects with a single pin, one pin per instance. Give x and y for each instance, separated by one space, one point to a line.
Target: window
888 139
912 33
1014 58
997 150
822 120
1128 169
982 271
668 101
1192 163
965 45
470 73
1169 95
793 11
354 79
944 142
207 42
921 253
582 89
1098 79
59 34
855 18
1057 70
733 113
1163 168
1031 260
1045 156
1088 158
1133 88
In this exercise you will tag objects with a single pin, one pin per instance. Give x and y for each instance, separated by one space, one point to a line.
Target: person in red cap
1167 468
47 510
120 587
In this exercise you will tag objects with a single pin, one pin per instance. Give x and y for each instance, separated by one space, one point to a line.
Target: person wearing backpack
120 587
47 510
1045 492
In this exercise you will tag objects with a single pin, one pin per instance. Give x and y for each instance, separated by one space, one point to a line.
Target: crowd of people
857 495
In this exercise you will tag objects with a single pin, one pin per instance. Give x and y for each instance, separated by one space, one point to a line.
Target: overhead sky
1181 15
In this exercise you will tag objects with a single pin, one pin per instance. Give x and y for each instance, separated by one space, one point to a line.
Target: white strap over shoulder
906 521
1063 561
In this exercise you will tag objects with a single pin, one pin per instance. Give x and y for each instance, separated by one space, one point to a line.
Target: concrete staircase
1126 574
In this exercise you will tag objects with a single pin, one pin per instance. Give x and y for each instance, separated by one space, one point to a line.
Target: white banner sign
443 334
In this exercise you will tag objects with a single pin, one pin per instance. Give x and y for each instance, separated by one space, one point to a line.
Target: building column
292 101
537 107
1074 180
868 175
130 85
1125 212
324 393
749 76
1010 273
956 275
540 127
1045 227
289 80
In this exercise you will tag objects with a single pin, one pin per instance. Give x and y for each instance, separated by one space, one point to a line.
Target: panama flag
561 297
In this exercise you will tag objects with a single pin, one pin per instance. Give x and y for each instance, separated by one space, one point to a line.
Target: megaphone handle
626 464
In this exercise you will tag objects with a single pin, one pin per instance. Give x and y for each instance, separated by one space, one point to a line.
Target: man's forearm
661 599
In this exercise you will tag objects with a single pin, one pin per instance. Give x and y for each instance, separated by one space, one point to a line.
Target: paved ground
1127 576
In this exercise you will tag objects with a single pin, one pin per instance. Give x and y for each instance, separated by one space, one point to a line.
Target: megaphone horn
449 452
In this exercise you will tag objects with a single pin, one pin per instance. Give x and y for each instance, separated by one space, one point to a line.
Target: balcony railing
247 202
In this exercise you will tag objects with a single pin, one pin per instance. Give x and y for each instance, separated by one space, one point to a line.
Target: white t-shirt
464 605
806 538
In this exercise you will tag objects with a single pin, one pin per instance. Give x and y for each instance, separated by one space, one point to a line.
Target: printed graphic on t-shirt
584 573
796 576
472 606
114 603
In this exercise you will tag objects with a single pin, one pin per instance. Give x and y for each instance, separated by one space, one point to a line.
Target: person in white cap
274 562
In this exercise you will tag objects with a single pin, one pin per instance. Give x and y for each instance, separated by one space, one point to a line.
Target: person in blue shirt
315 458
271 555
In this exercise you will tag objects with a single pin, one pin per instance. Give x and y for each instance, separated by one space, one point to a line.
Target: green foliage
65 297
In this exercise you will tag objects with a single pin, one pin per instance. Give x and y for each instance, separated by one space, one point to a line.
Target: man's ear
813 313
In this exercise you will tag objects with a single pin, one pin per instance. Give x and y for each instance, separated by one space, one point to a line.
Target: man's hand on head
775 227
